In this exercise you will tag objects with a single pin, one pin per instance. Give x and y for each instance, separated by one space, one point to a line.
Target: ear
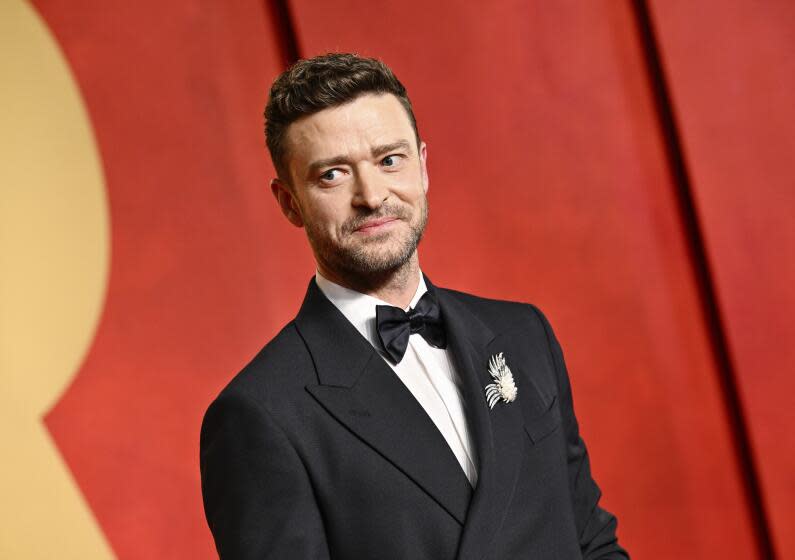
424 165
287 202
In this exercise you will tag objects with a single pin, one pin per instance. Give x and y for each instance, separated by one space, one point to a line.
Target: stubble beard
364 262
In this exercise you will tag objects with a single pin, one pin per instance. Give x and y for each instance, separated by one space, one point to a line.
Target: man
391 419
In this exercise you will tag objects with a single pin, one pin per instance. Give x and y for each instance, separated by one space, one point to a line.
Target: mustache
387 210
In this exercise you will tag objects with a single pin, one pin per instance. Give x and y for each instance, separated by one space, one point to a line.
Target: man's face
358 183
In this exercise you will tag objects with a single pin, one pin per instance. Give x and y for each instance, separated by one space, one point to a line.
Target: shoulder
275 375
504 315
523 332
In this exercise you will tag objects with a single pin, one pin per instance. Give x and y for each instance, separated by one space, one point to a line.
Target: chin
378 261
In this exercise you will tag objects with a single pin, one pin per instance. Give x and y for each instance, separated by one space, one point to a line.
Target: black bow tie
395 326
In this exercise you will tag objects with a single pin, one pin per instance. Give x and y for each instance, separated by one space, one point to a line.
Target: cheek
327 218
413 194
410 186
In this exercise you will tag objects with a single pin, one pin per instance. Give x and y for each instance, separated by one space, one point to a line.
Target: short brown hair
314 84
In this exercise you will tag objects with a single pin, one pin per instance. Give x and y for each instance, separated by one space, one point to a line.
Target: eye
392 160
331 175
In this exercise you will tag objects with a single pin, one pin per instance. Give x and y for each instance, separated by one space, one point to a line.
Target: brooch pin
503 387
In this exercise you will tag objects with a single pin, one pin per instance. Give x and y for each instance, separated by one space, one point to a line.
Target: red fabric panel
204 269
731 72
549 184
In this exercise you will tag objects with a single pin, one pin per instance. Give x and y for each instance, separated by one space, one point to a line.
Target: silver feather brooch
503 388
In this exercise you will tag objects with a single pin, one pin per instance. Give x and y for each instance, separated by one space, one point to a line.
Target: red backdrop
550 163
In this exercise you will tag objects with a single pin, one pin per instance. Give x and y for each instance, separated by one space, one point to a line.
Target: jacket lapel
362 392
498 432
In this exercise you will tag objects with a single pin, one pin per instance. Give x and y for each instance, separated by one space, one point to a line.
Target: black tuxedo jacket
317 450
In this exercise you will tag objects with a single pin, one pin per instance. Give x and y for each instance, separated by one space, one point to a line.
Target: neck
396 286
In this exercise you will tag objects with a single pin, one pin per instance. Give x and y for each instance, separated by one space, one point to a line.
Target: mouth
377 225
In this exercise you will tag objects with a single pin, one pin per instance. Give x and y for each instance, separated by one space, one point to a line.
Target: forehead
351 129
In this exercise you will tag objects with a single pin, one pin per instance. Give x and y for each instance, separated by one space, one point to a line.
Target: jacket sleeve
257 494
596 527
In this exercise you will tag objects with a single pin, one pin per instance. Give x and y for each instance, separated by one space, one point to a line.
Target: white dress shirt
426 371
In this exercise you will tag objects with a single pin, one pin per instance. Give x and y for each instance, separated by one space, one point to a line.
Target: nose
371 190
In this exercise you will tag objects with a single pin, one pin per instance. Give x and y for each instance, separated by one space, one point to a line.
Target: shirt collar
359 308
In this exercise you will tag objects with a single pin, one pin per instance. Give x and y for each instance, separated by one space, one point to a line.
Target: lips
372 226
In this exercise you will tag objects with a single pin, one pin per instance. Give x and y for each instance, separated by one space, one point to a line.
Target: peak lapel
498 431
363 393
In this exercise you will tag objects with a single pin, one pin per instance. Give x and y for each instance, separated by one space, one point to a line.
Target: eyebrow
386 148
375 152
